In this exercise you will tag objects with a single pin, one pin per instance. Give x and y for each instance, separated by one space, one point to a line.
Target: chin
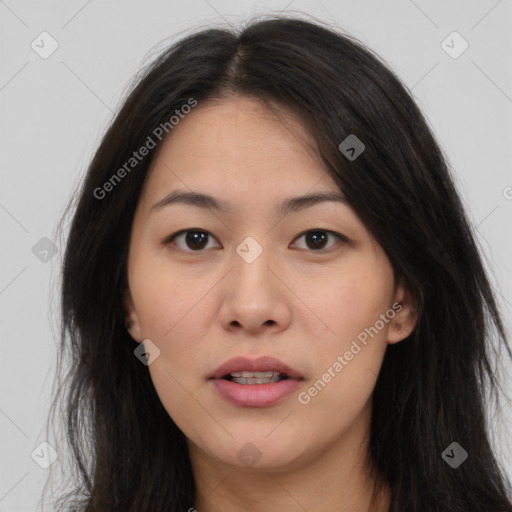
260 453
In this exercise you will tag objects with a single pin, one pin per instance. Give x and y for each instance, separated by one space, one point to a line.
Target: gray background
54 111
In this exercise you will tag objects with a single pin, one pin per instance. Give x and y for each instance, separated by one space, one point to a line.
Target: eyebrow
206 201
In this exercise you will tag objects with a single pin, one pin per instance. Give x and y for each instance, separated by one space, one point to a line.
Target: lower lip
255 395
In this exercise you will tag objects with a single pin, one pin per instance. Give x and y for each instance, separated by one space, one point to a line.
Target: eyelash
170 239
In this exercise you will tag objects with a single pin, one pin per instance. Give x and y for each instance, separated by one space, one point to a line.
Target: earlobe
406 316
131 322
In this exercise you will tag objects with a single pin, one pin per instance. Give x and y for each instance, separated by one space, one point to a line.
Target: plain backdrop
55 108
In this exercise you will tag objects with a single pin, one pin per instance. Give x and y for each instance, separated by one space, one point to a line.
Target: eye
316 239
195 239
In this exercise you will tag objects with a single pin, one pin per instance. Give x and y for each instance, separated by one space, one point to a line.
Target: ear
131 318
406 314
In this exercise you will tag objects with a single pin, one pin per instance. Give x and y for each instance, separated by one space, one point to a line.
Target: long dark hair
128 454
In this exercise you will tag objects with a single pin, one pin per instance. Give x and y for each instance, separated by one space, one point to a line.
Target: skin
302 305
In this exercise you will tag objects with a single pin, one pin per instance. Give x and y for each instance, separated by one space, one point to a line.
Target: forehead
235 147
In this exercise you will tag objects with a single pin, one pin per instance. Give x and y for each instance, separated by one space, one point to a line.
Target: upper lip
260 364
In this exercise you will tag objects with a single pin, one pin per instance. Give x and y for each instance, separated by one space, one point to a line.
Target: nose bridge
252 295
250 250
251 262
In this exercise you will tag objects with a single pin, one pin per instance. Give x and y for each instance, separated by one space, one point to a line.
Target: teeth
257 375
262 380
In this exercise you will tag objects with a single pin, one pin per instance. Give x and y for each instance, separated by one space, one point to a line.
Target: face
246 277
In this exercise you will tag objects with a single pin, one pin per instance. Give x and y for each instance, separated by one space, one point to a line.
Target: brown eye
316 240
192 240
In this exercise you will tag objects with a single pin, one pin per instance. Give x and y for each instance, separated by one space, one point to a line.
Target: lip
260 364
255 395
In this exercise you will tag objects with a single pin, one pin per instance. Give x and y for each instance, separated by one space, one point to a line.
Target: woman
272 298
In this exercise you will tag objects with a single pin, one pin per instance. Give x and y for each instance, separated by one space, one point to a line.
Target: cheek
350 301
349 355
172 309
178 394
171 320
165 296
347 367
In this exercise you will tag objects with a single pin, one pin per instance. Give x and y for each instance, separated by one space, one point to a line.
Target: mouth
250 378
258 382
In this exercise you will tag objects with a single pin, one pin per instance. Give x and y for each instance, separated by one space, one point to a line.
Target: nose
254 298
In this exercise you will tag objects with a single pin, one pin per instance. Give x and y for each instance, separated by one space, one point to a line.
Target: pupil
315 236
194 238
